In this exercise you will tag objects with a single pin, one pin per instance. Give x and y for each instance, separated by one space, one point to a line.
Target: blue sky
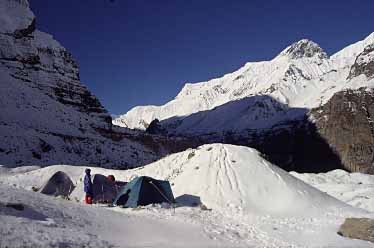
142 52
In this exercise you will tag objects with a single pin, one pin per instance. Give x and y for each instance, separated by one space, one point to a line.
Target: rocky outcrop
346 123
293 146
155 127
20 33
358 228
364 64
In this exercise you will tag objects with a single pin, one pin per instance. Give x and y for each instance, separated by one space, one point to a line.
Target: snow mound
227 176
223 177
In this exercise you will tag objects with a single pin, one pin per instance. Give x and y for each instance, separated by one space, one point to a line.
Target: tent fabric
143 191
103 190
59 184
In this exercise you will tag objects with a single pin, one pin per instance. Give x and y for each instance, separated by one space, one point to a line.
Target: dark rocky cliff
346 123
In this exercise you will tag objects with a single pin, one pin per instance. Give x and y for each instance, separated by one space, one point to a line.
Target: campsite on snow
278 153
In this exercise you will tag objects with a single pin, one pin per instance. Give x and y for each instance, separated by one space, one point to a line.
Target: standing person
88 186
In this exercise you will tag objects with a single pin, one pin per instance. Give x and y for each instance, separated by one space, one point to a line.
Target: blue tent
143 191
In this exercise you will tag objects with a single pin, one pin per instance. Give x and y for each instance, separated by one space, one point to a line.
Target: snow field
253 204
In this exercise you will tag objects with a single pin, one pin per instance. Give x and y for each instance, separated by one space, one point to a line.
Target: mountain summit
305 48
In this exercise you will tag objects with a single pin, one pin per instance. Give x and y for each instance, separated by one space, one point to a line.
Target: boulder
358 228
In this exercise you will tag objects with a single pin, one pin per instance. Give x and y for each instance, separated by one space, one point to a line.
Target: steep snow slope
347 56
302 77
253 204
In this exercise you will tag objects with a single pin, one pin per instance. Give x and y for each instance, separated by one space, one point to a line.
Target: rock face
346 123
155 127
47 116
293 146
364 64
358 228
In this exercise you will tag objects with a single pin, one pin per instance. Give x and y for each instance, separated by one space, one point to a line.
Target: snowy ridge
346 57
301 76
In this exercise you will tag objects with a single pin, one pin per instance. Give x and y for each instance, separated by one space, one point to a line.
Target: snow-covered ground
60 223
356 189
253 204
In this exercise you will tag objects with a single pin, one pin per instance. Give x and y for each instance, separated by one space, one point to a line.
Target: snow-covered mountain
277 107
302 76
47 115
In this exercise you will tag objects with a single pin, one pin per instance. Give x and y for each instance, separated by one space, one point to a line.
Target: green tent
143 191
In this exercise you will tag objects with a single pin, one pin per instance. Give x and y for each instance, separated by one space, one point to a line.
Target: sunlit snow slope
301 77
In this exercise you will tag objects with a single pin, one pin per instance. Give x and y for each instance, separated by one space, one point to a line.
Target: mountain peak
304 48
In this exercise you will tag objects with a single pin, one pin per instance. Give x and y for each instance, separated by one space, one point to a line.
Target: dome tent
143 191
59 184
103 189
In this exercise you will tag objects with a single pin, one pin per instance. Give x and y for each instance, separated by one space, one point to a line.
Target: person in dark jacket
88 186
